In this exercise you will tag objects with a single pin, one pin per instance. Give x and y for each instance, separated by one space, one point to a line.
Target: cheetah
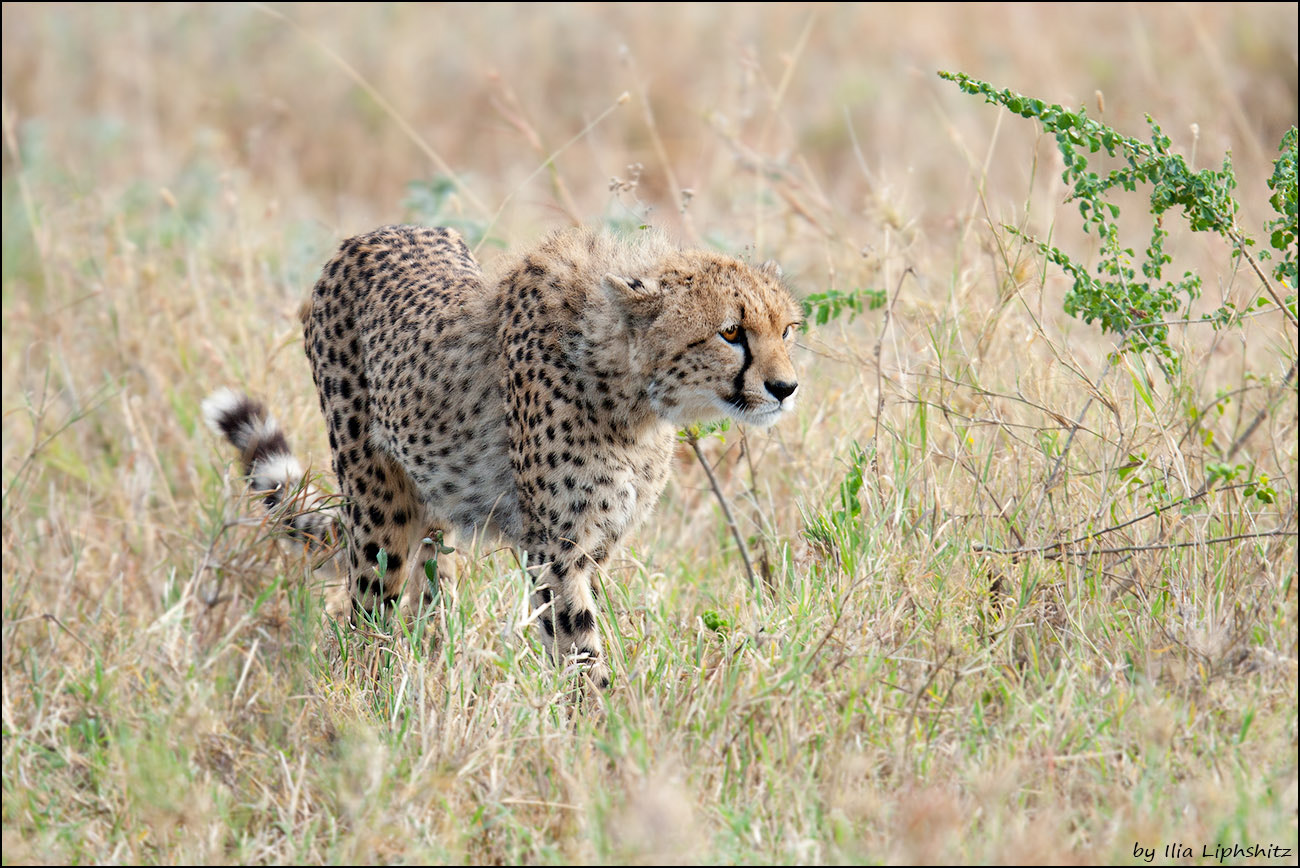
538 402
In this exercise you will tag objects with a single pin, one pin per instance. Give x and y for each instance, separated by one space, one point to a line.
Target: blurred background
329 114
258 136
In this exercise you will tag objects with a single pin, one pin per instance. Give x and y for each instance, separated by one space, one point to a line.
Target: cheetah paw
338 605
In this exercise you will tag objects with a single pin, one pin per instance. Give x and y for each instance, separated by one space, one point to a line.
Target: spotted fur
539 403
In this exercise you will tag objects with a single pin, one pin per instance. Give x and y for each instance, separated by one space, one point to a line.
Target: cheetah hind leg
418 594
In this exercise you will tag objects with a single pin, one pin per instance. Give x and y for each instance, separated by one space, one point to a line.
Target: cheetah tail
269 464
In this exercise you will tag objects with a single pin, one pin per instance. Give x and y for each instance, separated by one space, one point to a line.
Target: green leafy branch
1128 296
1282 231
820 308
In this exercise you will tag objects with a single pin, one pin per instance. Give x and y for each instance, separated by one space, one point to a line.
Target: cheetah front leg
563 593
417 592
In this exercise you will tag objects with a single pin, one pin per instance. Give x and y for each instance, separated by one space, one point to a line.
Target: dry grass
173 177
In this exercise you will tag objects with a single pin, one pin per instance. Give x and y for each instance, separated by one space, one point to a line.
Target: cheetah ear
772 269
630 290
640 301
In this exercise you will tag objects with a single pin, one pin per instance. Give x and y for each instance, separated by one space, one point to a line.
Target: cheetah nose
781 389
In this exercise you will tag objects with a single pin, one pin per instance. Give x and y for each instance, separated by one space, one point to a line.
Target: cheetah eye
731 334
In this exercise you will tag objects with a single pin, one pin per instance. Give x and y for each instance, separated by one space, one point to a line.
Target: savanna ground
921 672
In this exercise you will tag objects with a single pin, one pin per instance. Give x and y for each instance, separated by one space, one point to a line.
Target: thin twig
935 669
988 491
507 104
765 560
1089 537
880 376
1056 551
1203 321
1259 417
374 94
1095 395
548 162
726 511
680 199
50 616
1268 284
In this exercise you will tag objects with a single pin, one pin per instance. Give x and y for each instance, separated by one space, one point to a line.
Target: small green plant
704 430
1139 476
439 548
431 564
1256 486
843 513
1131 296
715 622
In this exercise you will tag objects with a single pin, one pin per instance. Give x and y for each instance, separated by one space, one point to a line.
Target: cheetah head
713 336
